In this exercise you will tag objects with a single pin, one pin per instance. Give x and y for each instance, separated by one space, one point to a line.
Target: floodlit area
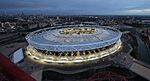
64 57
71 45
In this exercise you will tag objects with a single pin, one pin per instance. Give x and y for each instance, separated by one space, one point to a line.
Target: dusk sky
76 7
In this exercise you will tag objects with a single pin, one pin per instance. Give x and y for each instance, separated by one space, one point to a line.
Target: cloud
139 11
96 7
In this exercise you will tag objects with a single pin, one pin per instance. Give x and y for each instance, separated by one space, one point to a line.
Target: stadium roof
50 39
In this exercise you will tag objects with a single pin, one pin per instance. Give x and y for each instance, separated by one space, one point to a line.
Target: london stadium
73 44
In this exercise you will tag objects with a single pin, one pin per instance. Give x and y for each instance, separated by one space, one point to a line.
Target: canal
142 49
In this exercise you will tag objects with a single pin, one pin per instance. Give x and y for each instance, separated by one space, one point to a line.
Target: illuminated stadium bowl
72 44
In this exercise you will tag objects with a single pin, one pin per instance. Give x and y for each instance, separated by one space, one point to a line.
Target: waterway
143 52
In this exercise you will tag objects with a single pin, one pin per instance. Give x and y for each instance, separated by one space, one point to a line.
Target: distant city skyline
76 7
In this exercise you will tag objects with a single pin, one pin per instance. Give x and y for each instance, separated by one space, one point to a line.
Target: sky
76 7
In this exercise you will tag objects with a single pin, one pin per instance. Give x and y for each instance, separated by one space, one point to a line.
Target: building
71 45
